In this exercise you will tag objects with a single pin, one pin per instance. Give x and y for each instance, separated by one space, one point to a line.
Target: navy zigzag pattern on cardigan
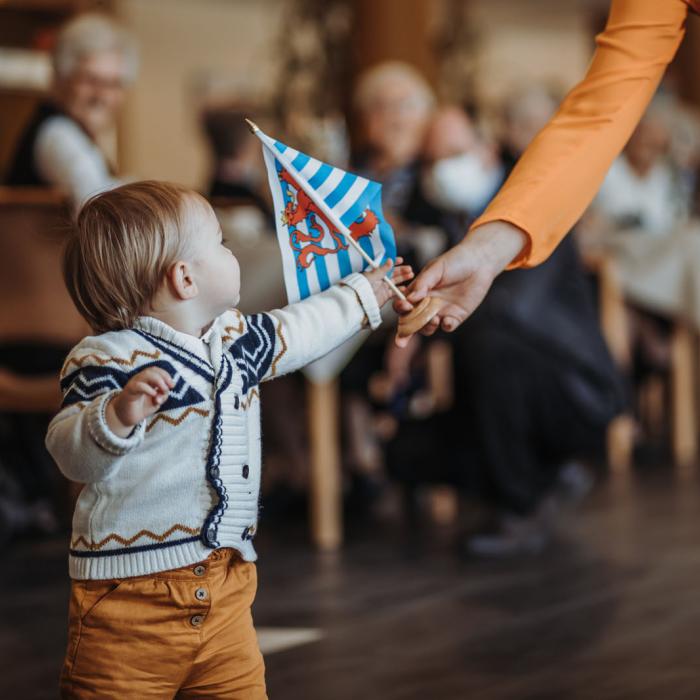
253 352
90 381
189 359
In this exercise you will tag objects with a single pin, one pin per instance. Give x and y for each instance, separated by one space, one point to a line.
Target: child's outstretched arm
309 329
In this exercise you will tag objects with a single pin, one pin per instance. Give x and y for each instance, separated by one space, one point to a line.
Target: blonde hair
123 243
92 33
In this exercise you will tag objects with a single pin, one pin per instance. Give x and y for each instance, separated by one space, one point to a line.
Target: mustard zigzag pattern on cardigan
101 360
176 421
234 329
248 400
126 542
282 351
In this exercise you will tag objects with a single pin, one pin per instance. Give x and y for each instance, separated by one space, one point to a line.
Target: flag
315 253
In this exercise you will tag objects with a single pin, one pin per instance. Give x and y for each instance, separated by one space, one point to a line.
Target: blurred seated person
394 104
94 61
460 172
238 173
525 112
641 189
535 388
640 219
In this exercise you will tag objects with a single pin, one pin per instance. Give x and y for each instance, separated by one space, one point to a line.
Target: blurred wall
191 48
530 40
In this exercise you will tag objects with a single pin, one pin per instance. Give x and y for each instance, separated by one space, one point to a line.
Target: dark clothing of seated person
535 388
56 151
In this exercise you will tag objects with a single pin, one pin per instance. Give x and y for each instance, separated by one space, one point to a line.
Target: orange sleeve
560 172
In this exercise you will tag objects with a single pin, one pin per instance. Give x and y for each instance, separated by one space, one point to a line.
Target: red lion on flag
307 244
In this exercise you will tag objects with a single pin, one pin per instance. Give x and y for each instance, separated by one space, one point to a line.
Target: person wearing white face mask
534 383
462 183
461 173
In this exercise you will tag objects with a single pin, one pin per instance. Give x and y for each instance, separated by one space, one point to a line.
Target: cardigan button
200 570
196 620
201 594
246 471
214 472
211 535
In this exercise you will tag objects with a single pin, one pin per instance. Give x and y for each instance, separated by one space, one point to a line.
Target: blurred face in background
395 114
648 144
94 91
460 172
526 115
450 133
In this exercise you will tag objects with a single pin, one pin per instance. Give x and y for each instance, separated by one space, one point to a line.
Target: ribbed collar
160 329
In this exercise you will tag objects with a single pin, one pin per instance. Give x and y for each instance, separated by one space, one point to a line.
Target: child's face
215 267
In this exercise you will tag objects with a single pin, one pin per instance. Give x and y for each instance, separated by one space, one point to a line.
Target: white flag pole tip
252 126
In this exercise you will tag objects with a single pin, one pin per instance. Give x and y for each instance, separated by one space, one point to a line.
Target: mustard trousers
185 633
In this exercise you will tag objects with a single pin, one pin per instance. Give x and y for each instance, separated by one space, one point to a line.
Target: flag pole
325 209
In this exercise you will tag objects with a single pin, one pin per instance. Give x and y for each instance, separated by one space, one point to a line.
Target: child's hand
382 291
140 398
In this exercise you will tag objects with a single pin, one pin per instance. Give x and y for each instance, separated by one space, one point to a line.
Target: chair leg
620 443
683 413
326 497
444 504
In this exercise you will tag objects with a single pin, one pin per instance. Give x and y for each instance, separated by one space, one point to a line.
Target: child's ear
182 280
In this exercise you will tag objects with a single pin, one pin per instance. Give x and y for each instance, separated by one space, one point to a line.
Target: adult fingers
427 279
449 323
402 341
432 326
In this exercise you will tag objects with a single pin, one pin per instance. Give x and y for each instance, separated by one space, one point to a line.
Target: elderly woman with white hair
94 61
394 103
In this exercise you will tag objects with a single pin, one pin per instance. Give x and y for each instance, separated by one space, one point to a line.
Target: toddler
161 423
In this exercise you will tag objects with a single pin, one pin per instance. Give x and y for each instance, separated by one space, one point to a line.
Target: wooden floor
612 611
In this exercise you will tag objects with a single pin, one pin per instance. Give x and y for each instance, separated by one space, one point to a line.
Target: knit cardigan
187 479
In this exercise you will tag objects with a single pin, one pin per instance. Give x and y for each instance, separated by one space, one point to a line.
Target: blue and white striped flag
315 204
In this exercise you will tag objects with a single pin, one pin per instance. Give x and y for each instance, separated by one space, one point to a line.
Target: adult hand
462 276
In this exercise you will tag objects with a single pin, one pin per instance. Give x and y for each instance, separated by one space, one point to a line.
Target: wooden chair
35 306
613 322
34 303
682 384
